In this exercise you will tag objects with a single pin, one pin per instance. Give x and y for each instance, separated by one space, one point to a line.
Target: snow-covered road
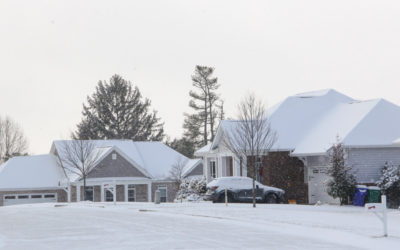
193 226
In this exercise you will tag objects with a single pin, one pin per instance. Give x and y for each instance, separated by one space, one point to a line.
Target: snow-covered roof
190 165
309 123
203 150
31 172
154 157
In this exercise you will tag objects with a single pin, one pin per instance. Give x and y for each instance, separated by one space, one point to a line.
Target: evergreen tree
390 184
117 111
200 127
343 183
183 146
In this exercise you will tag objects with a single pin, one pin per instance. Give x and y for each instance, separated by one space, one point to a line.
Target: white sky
52 54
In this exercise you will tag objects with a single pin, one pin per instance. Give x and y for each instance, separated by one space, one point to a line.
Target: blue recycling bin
359 195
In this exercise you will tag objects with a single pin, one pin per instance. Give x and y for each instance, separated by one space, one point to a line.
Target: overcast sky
52 54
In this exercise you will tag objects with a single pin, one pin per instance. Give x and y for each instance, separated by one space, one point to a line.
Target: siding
119 167
367 163
198 170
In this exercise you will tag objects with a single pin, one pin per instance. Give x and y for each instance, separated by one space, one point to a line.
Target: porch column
115 192
126 192
219 166
78 193
102 192
205 168
149 192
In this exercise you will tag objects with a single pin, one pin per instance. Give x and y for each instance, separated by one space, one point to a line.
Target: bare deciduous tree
251 137
79 157
12 139
177 169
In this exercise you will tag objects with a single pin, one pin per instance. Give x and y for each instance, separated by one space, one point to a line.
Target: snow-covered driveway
193 226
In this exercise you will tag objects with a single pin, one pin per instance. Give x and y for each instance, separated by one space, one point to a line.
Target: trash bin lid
374 188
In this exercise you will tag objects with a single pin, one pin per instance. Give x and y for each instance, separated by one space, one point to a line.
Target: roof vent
114 156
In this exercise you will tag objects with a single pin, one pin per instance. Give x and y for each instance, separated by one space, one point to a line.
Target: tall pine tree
200 126
117 110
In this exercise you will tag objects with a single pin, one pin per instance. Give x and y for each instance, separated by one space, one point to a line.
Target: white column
126 192
205 168
219 166
78 193
115 192
149 192
102 192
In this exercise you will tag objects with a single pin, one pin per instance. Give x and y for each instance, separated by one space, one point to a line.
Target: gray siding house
307 125
124 171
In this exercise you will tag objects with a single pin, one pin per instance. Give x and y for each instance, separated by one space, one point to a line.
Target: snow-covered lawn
193 226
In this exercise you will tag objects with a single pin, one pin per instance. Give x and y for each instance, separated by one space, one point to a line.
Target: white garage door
13 199
318 186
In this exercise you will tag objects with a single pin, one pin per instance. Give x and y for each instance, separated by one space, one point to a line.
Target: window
131 193
114 156
23 196
213 169
36 196
109 195
9 197
163 193
88 194
49 196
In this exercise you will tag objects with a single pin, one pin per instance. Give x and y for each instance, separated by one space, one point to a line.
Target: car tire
271 199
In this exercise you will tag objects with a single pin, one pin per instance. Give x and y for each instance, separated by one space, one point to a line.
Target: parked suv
240 189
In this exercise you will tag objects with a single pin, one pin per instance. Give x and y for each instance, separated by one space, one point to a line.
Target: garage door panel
15 199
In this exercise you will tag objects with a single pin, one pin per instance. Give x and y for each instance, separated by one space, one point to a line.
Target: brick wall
141 192
171 190
284 172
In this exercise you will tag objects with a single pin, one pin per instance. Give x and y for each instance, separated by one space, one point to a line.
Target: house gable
114 164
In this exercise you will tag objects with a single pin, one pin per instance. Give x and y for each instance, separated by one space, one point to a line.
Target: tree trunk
84 188
254 186
205 122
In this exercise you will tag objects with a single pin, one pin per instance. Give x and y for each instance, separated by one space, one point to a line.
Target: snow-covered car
240 189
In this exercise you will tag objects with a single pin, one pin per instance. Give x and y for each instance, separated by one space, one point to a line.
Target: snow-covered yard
193 226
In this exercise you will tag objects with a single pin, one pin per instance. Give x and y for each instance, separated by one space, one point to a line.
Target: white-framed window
131 193
163 193
213 169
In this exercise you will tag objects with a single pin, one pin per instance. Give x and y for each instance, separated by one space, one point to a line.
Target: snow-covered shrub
192 189
343 183
390 184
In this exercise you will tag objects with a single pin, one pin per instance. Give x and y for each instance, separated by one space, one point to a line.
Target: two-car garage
31 179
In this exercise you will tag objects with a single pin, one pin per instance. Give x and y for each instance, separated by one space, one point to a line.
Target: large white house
307 125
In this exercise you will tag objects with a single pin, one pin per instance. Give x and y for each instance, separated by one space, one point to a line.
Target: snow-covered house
307 126
135 170
31 179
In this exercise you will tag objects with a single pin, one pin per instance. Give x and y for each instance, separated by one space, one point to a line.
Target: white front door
318 179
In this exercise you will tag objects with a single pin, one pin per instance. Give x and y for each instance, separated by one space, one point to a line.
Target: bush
192 189
390 184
